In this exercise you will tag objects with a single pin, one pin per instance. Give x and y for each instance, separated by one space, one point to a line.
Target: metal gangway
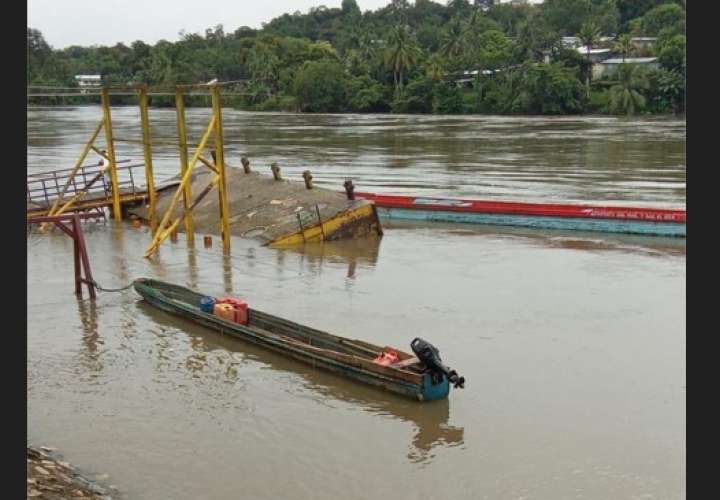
88 190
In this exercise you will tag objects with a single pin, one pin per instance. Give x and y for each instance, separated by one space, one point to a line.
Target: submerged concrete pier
276 212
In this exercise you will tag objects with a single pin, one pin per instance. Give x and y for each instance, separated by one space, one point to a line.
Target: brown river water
572 344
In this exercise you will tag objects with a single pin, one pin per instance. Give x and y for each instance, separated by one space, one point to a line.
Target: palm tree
435 68
402 54
624 45
625 95
589 35
454 40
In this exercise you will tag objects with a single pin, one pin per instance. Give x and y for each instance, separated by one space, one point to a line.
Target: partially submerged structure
271 209
276 212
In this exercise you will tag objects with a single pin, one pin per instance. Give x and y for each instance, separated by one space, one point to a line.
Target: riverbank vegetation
557 57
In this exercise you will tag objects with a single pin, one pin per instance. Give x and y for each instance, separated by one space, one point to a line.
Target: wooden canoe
350 358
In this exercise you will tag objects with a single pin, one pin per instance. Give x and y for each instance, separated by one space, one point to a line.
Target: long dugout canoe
629 220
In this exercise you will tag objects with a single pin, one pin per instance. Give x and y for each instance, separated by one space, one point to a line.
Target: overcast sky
106 22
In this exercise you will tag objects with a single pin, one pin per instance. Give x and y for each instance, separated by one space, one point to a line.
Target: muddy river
572 344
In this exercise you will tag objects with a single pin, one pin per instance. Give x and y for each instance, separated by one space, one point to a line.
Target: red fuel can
239 306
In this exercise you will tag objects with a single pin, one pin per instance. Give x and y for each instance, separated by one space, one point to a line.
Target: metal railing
44 188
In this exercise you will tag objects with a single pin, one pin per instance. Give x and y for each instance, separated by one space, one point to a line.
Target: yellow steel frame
167 227
182 139
220 165
162 230
147 153
107 118
89 145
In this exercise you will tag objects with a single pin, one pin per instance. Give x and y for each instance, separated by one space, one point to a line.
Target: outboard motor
429 354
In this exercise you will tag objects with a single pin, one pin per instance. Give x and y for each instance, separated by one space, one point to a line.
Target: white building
87 82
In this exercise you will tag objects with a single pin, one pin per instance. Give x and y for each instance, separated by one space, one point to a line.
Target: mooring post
147 152
107 123
275 171
246 164
349 189
308 179
220 165
182 140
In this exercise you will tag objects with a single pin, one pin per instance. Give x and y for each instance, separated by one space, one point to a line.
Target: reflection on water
87 310
429 420
352 252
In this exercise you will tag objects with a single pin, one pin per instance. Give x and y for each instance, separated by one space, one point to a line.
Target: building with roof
608 67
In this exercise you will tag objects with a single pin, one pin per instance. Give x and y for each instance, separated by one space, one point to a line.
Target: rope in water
96 285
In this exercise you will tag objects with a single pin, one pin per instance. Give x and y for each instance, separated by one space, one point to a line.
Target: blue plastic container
207 304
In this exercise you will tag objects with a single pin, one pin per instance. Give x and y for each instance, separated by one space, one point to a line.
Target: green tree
447 99
626 95
350 7
624 45
365 95
494 50
435 68
320 86
548 89
589 35
667 15
416 97
402 54
672 55
454 40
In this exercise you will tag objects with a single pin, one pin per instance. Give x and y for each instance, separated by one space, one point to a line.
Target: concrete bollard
349 189
207 240
308 179
246 164
275 171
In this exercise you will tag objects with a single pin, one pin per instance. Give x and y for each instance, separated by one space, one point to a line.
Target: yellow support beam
147 153
163 233
208 164
220 165
107 119
77 166
182 138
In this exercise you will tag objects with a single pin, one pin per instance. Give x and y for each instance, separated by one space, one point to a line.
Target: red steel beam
80 255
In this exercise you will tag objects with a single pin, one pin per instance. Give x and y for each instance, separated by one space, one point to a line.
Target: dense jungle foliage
410 57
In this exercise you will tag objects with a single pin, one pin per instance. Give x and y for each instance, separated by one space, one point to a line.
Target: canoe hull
628 220
671 229
424 391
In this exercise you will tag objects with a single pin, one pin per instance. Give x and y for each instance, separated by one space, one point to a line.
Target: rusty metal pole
220 165
84 256
147 152
76 253
107 123
182 138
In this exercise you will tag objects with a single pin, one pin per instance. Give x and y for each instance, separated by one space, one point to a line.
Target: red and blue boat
609 219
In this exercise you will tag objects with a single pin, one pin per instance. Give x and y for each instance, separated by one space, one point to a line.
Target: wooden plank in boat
406 363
